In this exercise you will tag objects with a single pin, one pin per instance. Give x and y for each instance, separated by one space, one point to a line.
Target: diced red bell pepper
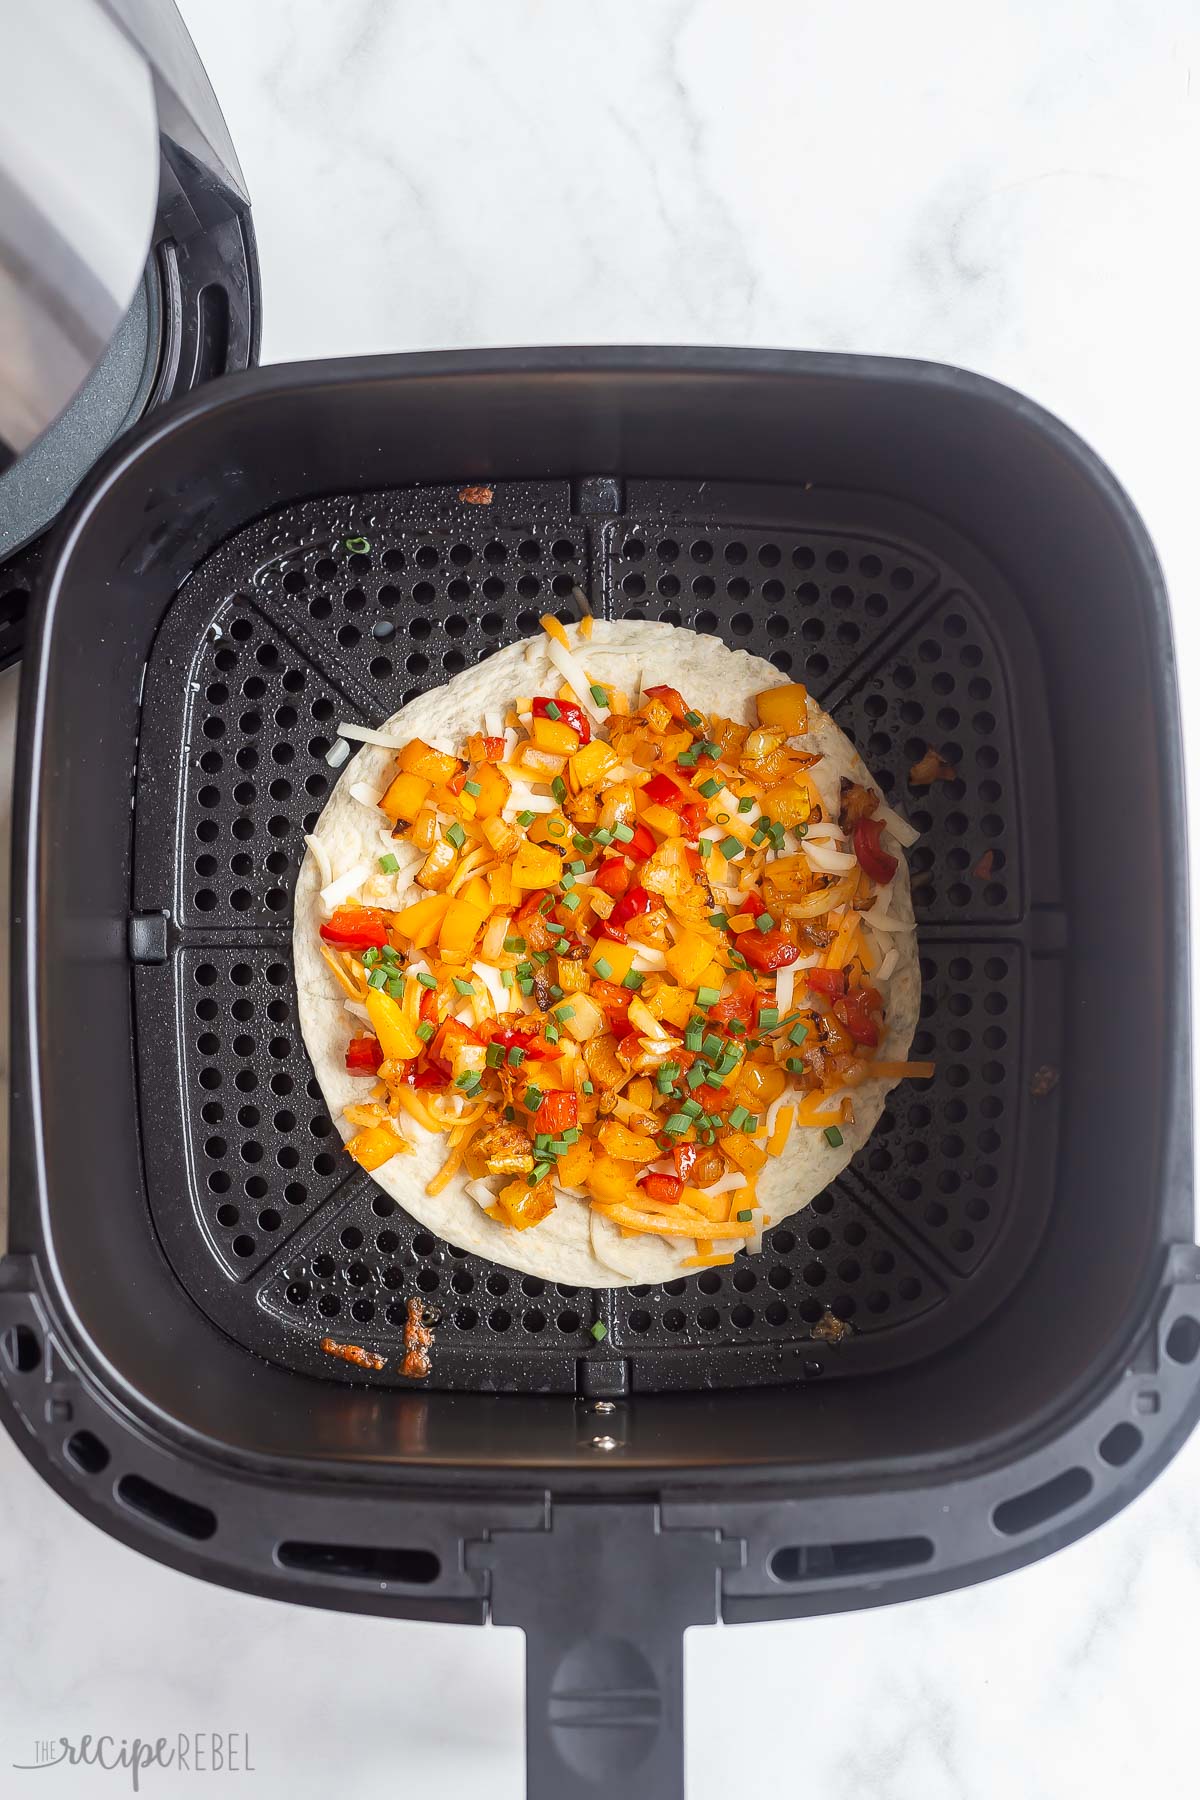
684 1157
452 1036
872 859
766 950
530 921
671 698
426 1074
458 782
559 1111
613 1001
525 1038
831 982
356 928
667 1188
493 749
428 1010
693 818
738 1005
641 844
662 791
613 876
617 933
695 861
568 712
632 905
363 1056
752 903
852 1011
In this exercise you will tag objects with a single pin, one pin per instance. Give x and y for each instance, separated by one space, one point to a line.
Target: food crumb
476 496
418 1339
353 1353
930 768
985 867
1044 1082
830 1329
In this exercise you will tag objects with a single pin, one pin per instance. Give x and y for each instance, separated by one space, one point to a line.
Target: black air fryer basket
979 1342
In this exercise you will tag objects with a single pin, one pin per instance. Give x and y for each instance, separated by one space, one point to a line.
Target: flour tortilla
572 1244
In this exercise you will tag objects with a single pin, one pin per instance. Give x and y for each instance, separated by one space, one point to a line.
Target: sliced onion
492 947
321 858
358 1009
785 981
365 794
829 862
904 833
500 995
493 721
573 671
337 891
337 753
646 959
888 965
820 901
481 1193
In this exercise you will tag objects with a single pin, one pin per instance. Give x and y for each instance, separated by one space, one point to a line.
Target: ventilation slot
1183 1340
874 1556
22 1348
87 1452
1121 1444
361 1562
166 1509
1038 1504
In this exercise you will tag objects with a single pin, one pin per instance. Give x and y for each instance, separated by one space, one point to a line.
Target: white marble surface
1011 188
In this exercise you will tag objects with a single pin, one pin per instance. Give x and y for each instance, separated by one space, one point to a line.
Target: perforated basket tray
284 631
1012 1252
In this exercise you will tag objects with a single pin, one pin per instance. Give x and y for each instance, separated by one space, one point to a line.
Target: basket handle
604 1596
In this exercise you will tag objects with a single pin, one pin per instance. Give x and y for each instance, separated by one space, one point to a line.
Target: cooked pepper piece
665 1188
568 712
363 1056
355 928
767 950
873 859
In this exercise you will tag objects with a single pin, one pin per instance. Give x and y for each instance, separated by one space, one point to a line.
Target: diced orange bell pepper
460 926
374 1146
535 866
523 1205
397 1034
422 920
784 708
494 789
405 797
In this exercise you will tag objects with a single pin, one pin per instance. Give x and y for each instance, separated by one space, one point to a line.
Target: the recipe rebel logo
187 1752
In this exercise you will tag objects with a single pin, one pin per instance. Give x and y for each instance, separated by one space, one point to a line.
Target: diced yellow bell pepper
640 1093
397 1035
500 885
663 820
574 1167
624 1145
744 1151
523 1205
494 789
579 1015
713 976
674 1004
534 866
422 920
608 1180
789 803
688 958
555 735
592 764
460 926
784 708
549 828
420 758
478 892
405 797
759 1084
619 958
374 1146
573 977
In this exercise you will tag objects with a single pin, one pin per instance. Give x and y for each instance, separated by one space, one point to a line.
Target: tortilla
573 1244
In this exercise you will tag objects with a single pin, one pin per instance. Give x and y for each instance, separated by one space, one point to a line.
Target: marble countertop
1012 189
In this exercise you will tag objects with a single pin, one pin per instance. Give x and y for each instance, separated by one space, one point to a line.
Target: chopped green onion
425 1030
568 880
468 1079
556 828
556 992
693 1034
708 1136
395 986
692 1108
510 1115
707 996
389 954
798 1033
795 1065
696 1074
710 788
473 788
524 969
514 944
564 1012
599 694
572 902
493 1056
358 546
552 1034
737 1027
708 748
582 843
677 1124
540 1172
525 983
739 1118
633 980
736 960
712 1045
603 968
686 759
603 837
704 846
693 719
768 1018
516 1056
531 1099
833 1137
525 819
599 1329
426 979
730 848
377 978
623 833
764 922
744 1217
456 835
665 1076
746 803
589 1087
558 788
506 978
719 919
463 987
553 926
552 710
541 958
577 867
370 957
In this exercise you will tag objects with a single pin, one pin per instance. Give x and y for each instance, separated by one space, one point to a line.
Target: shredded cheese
335 892
321 858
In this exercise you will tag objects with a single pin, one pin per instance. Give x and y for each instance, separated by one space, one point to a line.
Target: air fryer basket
996 1296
